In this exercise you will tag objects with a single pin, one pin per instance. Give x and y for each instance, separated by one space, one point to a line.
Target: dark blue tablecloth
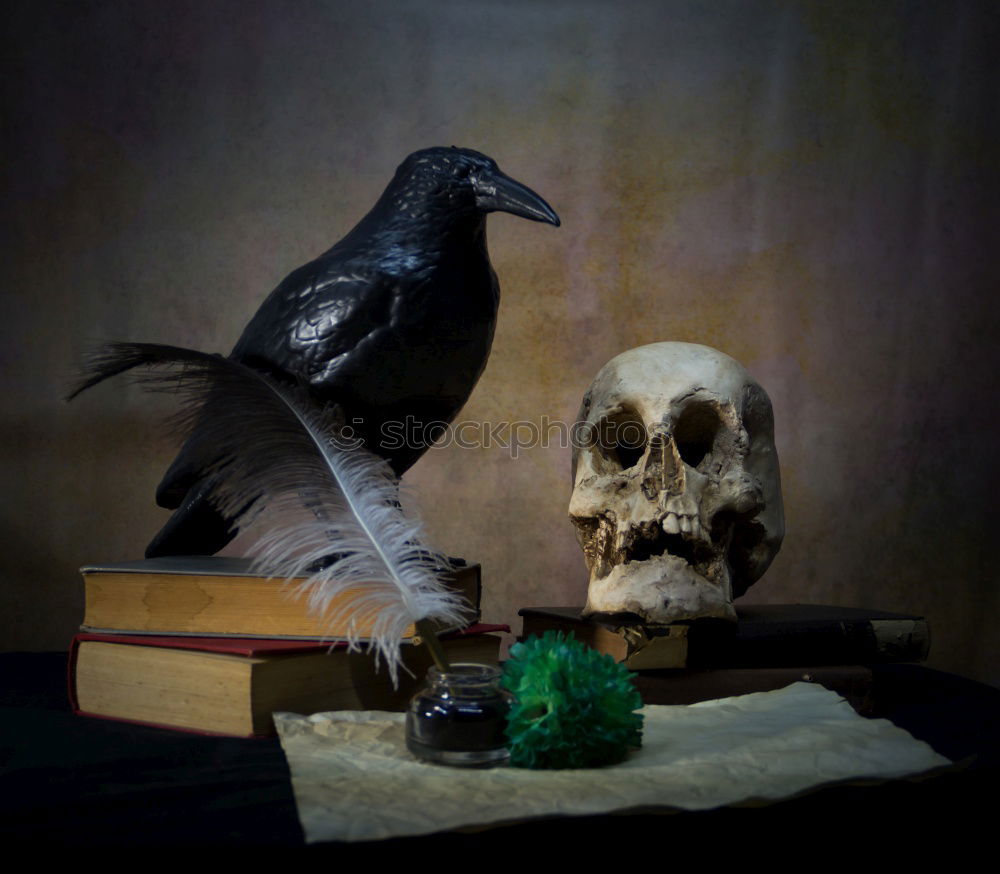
74 782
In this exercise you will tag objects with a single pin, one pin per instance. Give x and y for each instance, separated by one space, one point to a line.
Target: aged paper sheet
354 779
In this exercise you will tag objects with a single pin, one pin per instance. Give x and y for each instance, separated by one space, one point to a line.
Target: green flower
573 705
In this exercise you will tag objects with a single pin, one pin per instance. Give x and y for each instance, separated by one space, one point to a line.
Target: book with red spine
231 685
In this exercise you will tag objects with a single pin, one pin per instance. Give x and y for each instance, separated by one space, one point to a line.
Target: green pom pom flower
573 705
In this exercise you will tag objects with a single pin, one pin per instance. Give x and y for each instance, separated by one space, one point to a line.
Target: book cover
765 636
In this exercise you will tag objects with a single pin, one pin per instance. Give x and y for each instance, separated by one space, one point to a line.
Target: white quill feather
274 448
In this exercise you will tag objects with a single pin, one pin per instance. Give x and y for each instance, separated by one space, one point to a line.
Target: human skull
676 491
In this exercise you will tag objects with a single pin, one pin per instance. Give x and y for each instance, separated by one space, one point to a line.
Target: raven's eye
461 171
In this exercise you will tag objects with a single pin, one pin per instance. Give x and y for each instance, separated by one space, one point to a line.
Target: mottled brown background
810 187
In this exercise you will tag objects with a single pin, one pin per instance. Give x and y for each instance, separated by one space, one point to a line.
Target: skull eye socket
621 441
628 455
695 433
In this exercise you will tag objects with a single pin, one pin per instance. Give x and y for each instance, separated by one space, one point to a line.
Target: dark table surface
74 782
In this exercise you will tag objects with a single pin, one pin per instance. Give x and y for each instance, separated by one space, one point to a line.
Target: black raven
394 324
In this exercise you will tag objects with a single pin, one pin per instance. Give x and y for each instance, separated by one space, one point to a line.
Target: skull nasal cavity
695 432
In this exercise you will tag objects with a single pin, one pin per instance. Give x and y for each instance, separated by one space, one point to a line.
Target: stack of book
770 646
203 644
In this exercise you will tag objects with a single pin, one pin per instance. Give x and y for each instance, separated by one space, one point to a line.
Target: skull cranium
676 495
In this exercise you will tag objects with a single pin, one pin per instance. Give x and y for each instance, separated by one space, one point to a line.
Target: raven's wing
312 328
321 315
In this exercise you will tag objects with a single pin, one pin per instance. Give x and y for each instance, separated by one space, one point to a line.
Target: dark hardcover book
689 686
232 686
215 596
765 636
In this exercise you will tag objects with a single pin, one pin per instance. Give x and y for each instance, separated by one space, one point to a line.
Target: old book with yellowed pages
226 685
215 596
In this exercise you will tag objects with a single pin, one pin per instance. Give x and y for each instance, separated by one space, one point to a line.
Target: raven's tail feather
195 528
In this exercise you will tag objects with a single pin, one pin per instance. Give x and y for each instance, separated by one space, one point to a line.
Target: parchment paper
355 780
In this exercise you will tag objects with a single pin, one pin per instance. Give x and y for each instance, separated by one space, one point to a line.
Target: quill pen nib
427 636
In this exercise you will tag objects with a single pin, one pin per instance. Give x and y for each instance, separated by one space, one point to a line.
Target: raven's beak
499 193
